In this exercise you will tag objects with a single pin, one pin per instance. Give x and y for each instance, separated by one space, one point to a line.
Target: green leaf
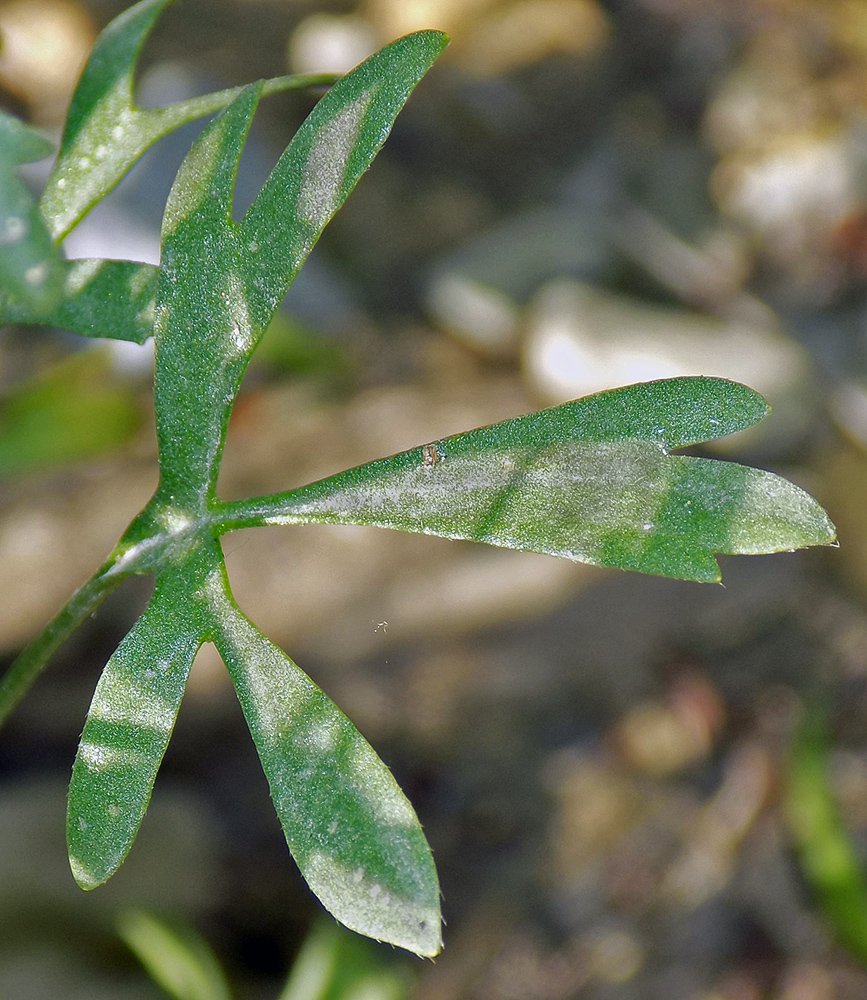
19 143
204 332
205 380
212 308
105 133
29 264
591 480
322 164
67 413
100 298
176 958
335 965
353 833
128 726
828 857
349 827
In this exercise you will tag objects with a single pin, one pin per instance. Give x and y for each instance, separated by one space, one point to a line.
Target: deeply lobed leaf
590 480
105 132
213 307
348 825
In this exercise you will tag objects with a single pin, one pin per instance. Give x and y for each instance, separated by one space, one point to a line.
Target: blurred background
620 776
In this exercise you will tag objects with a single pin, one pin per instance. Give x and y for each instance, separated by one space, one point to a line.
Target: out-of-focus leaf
288 346
591 480
335 965
66 414
100 298
29 263
128 726
105 133
828 858
20 143
176 958
350 829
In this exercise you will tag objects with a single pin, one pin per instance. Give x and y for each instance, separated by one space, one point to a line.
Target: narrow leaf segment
105 132
349 827
129 723
591 480
98 298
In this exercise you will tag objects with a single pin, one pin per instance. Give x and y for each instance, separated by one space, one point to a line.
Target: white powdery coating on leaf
94 755
606 479
81 273
136 551
241 337
144 710
265 672
775 514
146 317
194 178
139 279
81 873
319 196
174 521
284 708
362 903
388 803
319 734
97 757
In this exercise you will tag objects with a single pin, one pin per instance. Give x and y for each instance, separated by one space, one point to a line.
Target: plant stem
24 670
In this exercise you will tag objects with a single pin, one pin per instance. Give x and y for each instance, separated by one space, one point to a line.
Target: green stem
24 670
196 107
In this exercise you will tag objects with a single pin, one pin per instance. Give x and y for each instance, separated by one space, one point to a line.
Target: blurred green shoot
331 965
828 858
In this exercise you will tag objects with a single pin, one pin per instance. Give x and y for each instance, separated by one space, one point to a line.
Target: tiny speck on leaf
430 455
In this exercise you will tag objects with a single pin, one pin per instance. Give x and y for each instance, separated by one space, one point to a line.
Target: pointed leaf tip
349 827
590 480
